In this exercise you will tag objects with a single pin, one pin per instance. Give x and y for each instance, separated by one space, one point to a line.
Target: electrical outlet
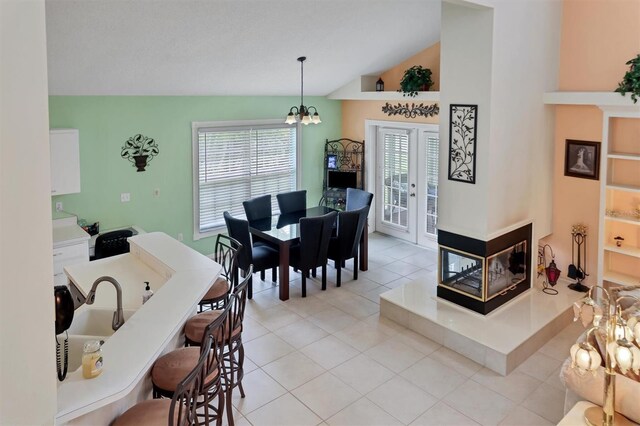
156 192
125 197
180 236
58 206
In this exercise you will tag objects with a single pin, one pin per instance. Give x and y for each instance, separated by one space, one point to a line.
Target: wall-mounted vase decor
463 121
139 150
582 159
411 111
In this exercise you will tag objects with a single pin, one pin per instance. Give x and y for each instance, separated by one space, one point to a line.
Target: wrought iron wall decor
139 150
463 121
411 111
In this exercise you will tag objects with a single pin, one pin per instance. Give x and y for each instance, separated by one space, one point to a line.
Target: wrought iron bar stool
226 254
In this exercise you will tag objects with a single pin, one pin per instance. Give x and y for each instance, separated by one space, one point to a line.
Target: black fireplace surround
483 275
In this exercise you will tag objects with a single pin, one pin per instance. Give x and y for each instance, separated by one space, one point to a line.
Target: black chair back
112 243
315 234
238 229
294 201
226 254
258 207
350 227
357 199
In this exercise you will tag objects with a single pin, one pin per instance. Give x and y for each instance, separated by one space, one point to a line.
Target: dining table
283 230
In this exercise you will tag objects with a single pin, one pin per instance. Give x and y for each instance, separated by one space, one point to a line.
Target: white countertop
180 277
66 231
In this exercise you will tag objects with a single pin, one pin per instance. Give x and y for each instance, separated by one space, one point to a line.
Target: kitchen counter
66 231
179 277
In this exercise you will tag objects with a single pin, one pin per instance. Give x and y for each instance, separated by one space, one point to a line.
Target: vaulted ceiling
229 47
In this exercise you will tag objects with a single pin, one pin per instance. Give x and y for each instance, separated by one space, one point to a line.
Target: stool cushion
151 412
218 290
194 328
170 369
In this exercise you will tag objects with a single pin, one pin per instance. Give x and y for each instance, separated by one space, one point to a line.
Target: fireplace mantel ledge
600 99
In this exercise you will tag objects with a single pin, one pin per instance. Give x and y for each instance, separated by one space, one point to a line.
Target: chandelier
302 112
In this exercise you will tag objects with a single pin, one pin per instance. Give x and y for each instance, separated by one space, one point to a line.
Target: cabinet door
65 161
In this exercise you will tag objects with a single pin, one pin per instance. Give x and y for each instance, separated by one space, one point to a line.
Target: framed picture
332 161
463 122
582 159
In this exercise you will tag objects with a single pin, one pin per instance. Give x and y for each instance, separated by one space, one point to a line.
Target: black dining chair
293 201
357 198
112 243
258 208
261 256
315 233
344 245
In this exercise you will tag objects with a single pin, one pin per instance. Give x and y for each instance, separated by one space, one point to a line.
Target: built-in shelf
626 250
621 279
627 188
623 219
589 98
624 156
389 96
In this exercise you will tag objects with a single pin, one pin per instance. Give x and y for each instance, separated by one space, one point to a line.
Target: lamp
302 112
552 273
620 352
380 85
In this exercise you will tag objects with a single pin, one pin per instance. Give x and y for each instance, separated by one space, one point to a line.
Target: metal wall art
463 121
139 150
412 111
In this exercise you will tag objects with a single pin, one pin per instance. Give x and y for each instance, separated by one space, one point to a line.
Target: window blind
239 163
432 142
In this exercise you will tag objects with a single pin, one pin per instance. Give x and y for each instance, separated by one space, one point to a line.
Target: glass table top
285 227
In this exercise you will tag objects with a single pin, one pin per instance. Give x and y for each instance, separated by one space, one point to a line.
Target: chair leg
262 275
314 272
304 285
221 410
250 288
324 277
229 406
241 368
274 275
338 276
356 266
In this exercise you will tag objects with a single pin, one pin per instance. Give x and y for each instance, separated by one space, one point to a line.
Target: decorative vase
141 162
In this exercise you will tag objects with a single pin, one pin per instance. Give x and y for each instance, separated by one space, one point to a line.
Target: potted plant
631 80
140 150
415 79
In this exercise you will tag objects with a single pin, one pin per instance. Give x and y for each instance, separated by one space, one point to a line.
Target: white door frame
370 137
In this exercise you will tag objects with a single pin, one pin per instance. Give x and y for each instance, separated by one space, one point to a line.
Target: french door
407 183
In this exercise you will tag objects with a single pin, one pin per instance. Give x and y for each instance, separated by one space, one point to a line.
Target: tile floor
330 359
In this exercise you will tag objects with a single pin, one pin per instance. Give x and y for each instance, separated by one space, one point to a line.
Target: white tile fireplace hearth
500 340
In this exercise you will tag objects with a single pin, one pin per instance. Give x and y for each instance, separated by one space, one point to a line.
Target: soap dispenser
146 295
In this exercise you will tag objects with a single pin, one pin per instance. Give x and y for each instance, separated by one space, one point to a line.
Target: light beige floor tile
267 348
425 274
381 276
361 335
520 416
362 413
398 283
293 370
402 268
516 386
384 324
460 363
362 373
426 262
248 365
374 295
307 306
361 286
252 329
238 419
265 299
332 320
554 380
300 333
284 411
259 389
417 341
539 366
433 377
402 399
558 347
394 355
355 305
329 352
546 401
443 415
275 317
326 395
479 403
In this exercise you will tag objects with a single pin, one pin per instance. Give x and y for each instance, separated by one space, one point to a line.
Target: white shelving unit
363 89
614 106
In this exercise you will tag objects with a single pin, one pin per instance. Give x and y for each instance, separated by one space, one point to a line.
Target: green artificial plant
414 80
631 80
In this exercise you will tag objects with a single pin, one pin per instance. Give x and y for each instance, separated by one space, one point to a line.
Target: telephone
64 318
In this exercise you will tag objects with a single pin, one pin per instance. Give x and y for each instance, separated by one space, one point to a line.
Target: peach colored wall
428 58
598 38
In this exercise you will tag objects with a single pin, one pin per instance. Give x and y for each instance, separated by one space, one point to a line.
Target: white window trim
195 125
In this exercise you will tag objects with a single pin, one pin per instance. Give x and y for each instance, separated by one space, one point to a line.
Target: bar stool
170 369
226 254
233 352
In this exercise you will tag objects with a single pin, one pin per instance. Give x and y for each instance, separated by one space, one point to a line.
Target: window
237 161
431 216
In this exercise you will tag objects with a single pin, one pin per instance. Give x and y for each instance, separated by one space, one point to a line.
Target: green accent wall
106 122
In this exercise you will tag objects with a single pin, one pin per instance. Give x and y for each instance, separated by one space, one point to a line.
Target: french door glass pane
431 216
395 184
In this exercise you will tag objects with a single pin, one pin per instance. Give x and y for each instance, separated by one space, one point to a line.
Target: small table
284 229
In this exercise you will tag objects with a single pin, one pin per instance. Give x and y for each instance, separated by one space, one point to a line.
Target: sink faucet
118 315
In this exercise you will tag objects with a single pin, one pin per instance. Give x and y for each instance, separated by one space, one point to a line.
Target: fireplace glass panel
462 272
506 269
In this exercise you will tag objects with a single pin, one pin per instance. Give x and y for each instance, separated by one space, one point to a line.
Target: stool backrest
226 254
237 304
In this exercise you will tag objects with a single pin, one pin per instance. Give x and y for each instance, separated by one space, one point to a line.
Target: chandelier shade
302 113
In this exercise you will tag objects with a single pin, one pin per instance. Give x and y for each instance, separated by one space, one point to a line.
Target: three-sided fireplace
482 275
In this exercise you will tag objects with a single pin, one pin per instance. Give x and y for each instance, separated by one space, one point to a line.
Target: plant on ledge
631 80
415 79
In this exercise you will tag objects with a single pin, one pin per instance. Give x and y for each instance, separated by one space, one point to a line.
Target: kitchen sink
95 322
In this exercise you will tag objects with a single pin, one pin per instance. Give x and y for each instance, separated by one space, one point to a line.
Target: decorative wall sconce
551 272
380 85
139 150
622 350
411 111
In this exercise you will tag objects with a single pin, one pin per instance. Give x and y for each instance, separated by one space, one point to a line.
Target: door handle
413 194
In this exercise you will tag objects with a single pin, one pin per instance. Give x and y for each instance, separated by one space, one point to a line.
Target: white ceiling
229 47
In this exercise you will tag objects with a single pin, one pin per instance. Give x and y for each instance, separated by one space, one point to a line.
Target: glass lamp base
593 417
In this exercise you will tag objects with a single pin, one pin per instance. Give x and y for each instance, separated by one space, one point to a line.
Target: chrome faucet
118 315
